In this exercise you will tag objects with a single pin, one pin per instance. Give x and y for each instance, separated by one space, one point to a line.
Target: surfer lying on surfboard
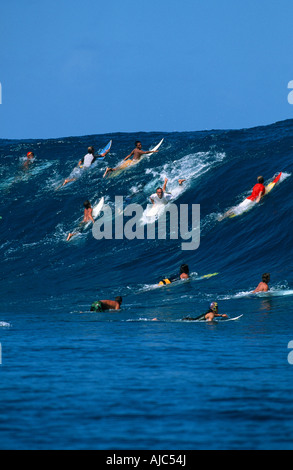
258 192
87 217
209 315
183 274
160 196
87 161
102 305
136 153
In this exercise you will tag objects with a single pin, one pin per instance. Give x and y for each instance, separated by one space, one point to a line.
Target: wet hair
184 269
118 299
159 188
260 179
91 150
266 278
137 142
87 204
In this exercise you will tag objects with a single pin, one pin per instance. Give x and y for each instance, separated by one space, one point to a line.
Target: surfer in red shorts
258 192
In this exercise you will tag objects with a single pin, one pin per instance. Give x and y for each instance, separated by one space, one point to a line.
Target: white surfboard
98 207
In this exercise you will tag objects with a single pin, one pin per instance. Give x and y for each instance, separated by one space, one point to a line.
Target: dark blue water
71 379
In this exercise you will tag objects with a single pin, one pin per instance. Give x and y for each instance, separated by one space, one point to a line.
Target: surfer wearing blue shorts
264 285
102 305
87 217
209 315
86 162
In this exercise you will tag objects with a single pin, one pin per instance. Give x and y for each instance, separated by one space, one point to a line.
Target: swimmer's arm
149 151
130 155
260 196
257 289
91 216
152 201
165 184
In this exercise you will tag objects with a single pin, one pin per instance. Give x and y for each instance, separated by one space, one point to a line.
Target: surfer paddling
209 315
136 153
183 274
86 162
264 284
102 305
87 217
258 192
160 196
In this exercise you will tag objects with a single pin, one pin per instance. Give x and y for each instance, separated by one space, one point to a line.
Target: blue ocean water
72 379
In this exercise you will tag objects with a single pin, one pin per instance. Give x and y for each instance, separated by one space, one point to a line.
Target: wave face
220 168
47 287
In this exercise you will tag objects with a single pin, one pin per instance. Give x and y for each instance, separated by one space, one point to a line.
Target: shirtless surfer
102 305
264 285
87 217
136 153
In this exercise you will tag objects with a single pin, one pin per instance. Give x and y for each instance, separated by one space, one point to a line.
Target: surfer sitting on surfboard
263 286
183 274
209 315
136 153
258 192
87 218
87 161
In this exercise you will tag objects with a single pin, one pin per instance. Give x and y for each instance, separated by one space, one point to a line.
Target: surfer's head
214 307
119 300
160 192
30 155
260 180
91 150
184 269
138 143
266 277
87 204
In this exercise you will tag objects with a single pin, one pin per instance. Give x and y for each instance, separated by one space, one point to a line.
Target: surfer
160 196
87 161
258 192
102 305
29 159
264 284
136 153
88 217
209 315
30 155
183 274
